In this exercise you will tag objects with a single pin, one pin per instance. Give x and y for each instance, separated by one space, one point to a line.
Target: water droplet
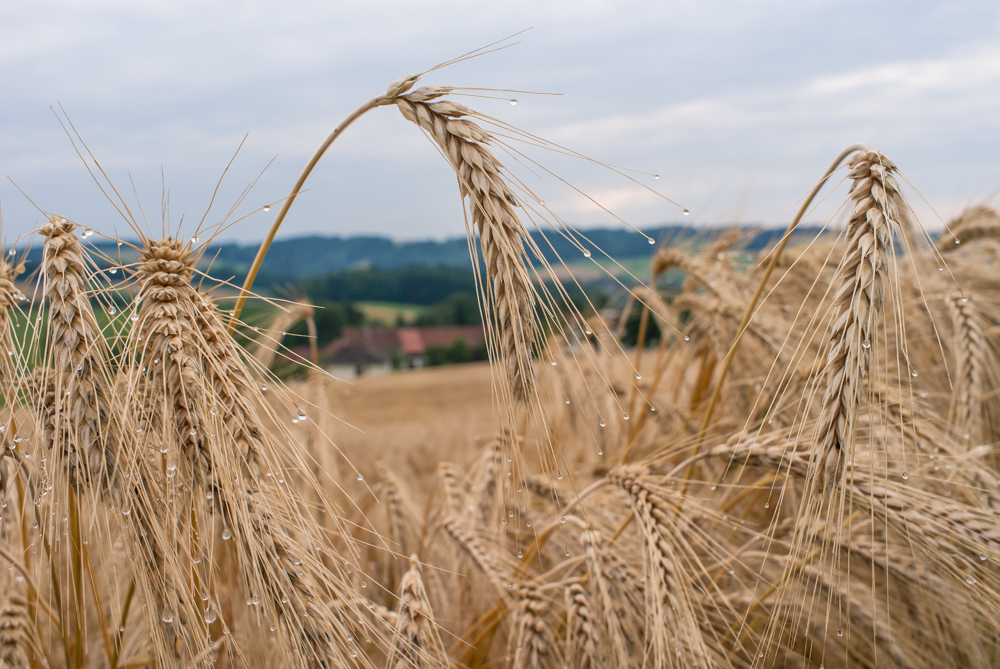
603 423
940 269
167 617
686 212
210 615
840 632
562 519
210 495
267 207
121 629
112 311
135 317
767 505
965 436
302 414
686 338
914 374
970 580
866 344
558 476
625 416
958 241
638 376
554 363
905 476
965 299
982 556
17 438
87 232
586 254
360 477
600 451
364 584
650 240
263 389
227 534
712 488
513 102
520 554
656 176
194 240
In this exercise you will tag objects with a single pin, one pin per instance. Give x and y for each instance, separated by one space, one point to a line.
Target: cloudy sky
738 106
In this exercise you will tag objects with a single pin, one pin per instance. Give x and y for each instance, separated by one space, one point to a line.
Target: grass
390 314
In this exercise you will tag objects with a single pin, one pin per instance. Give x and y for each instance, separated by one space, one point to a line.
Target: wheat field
801 473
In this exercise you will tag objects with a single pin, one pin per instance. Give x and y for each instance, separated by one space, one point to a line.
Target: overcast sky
738 106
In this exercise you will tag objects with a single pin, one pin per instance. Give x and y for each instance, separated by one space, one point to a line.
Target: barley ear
416 642
857 308
501 234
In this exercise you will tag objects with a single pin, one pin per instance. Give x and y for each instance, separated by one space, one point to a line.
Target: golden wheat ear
193 388
81 436
857 310
501 235
416 642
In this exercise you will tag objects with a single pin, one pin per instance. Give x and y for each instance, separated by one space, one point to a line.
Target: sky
737 106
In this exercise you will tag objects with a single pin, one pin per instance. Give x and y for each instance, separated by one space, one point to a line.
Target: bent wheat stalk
501 234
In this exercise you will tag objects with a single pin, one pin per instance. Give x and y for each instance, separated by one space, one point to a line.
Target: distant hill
293 259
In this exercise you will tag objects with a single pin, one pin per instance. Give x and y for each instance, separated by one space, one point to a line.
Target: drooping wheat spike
973 224
82 436
531 634
205 403
971 364
857 308
581 629
672 622
501 233
416 642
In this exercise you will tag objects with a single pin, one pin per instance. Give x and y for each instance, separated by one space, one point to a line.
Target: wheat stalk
673 628
206 403
17 632
466 147
416 642
971 362
858 302
531 635
582 639
80 434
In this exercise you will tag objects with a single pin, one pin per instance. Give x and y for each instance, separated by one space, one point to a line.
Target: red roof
408 340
